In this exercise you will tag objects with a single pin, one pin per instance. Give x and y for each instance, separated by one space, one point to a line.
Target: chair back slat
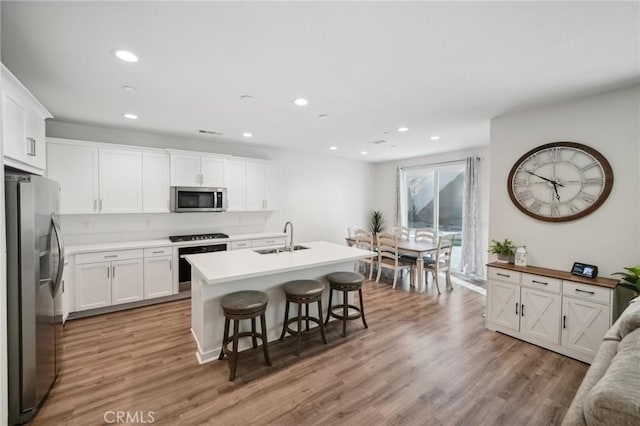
388 246
426 235
401 231
364 239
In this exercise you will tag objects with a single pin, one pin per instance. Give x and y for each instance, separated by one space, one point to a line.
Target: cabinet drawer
552 285
236 245
158 251
105 256
504 275
587 292
268 242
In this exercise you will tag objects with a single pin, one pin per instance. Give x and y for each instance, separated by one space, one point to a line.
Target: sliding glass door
433 199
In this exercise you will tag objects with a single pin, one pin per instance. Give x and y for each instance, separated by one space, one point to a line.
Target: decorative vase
503 258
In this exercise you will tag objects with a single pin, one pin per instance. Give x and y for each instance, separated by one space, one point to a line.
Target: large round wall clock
560 181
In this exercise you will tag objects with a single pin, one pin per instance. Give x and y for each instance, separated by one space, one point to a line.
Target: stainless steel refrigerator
35 259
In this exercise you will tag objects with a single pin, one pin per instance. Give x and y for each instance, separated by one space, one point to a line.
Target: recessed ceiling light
125 55
130 116
246 98
301 101
333 148
247 134
323 116
128 88
363 153
434 138
403 129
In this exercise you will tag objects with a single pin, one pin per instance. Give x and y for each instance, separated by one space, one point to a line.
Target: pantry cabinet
550 308
23 126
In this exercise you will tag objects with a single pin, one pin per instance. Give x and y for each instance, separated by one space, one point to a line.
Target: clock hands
553 182
544 178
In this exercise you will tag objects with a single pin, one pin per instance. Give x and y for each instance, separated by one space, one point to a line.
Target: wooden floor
425 359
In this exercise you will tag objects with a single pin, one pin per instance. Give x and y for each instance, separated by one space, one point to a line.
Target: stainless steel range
184 271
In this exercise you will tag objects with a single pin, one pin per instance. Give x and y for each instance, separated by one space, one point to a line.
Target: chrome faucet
288 247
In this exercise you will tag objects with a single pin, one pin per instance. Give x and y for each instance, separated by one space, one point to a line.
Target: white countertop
89 248
225 266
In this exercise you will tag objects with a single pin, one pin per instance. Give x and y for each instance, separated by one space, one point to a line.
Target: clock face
560 181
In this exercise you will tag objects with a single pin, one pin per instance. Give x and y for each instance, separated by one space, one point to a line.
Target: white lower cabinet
504 305
93 285
539 313
158 276
583 324
126 281
116 277
561 315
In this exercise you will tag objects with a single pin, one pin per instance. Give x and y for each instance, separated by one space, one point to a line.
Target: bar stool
303 292
345 282
246 304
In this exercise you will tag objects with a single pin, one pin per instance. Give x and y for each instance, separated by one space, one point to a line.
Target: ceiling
439 68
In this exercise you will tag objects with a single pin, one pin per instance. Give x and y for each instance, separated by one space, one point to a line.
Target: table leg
419 274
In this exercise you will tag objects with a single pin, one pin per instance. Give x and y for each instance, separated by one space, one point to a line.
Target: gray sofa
610 391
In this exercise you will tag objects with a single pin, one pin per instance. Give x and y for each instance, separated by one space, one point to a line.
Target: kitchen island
214 275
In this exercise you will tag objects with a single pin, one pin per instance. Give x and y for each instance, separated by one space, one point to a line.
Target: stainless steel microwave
198 199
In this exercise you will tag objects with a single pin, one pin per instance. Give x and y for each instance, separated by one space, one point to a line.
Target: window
433 195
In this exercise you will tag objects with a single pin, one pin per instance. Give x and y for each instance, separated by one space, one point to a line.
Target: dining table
417 249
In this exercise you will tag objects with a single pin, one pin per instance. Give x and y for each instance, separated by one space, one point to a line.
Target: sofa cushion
575 416
630 319
615 399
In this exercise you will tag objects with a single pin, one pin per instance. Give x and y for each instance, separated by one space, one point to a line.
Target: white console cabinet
23 128
553 309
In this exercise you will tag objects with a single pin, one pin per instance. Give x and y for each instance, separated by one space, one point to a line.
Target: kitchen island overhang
217 274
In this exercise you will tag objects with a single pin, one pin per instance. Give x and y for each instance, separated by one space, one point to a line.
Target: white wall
321 195
386 180
609 237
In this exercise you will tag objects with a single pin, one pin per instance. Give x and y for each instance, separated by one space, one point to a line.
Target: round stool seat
244 302
303 288
345 280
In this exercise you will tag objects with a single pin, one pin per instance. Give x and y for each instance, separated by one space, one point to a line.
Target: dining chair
389 258
425 234
401 231
441 262
364 241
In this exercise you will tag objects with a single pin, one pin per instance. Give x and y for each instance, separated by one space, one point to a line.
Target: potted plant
505 250
631 278
377 222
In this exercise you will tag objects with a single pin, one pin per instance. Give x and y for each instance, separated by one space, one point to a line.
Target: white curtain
401 198
471 251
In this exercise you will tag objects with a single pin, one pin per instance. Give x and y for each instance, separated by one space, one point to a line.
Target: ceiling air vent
378 142
210 132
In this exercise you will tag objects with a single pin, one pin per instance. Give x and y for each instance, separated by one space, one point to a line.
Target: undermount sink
279 249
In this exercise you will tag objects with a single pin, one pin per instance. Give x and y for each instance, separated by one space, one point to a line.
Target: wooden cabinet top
554 273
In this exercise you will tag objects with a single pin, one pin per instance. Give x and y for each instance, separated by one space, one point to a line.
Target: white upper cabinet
236 185
75 168
212 170
263 182
23 129
191 169
185 170
271 187
155 182
120 181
